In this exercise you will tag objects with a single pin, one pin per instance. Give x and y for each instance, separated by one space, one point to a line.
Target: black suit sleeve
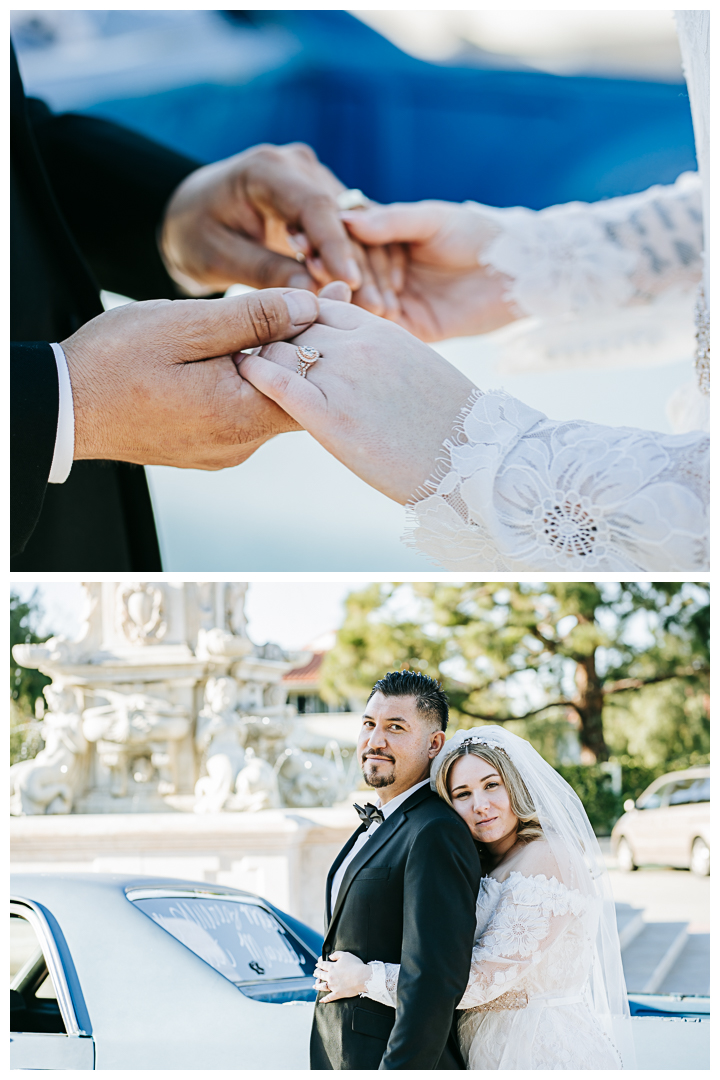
33 425
442 877
112 186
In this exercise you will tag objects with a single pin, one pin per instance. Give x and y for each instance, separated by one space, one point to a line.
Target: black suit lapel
374 844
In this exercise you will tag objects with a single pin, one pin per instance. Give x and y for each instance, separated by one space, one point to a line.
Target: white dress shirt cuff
65 434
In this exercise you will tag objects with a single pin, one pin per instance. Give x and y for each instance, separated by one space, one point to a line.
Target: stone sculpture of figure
219 737
129 724
306 779
256 787
48 783
235 607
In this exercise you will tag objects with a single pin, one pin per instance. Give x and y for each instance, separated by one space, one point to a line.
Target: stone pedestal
283 855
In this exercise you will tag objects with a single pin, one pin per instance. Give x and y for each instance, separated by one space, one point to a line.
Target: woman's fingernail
390 300
302 306
396 276
354 277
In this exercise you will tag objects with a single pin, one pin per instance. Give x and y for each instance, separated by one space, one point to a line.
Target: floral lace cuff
375 986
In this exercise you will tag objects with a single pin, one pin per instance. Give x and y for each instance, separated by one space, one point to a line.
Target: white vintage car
669 825
111 971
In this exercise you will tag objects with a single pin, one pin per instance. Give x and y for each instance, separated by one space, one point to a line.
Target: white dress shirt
65 435
363 838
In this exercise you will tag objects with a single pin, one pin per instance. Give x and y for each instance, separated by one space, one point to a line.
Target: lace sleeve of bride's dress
606 284
516 491
532 914
578 258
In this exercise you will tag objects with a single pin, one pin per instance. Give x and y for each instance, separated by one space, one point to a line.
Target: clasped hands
161 382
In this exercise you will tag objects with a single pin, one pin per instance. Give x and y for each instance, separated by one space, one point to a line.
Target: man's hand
154 383
267 217
447 292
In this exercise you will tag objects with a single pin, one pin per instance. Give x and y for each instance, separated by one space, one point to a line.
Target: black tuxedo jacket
408 898
87 198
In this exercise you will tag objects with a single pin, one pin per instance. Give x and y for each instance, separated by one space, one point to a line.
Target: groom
402 890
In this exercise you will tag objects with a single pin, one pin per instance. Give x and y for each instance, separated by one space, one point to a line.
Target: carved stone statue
219 739
235 592
256 787
47 783
131 727
140 613
306 779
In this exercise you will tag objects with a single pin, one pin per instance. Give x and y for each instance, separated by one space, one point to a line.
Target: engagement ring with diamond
306 356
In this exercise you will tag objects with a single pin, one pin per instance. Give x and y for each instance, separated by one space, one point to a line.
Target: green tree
542 653
26 684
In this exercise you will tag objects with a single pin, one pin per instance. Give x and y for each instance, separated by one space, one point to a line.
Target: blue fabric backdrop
400 128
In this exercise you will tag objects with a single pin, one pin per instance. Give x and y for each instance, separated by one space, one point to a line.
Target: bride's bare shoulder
532 859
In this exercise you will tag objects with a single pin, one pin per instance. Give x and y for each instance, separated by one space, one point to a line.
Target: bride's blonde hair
521 804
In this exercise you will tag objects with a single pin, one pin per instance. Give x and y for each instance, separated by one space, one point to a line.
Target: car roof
697 772
39 886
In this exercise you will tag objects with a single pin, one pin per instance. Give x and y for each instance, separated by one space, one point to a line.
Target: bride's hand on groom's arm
343 974
447 291
379 400
248 219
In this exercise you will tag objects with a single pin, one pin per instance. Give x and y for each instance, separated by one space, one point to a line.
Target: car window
700 790
33 998
680 793
242 941
652 801
24 945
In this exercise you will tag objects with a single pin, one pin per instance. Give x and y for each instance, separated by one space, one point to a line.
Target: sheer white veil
576 851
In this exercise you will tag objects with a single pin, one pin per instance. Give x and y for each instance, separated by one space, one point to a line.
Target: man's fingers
205 328
248 262
379 260
320 218
396 223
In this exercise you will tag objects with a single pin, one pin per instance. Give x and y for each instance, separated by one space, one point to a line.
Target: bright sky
292 614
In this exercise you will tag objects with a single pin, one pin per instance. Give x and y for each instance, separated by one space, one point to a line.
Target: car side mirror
628 805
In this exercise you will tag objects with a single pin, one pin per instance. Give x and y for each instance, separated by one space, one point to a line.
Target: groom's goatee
374 779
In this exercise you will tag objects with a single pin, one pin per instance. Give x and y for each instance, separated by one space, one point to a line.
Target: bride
546 987
491 483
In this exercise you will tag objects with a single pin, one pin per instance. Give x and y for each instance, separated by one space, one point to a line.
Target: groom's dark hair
430 698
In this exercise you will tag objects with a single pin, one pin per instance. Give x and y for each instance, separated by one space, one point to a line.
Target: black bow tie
369 813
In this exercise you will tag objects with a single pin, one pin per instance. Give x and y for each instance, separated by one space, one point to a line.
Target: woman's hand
344 975
446 291
378 399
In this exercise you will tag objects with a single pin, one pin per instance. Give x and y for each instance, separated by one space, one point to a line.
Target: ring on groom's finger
306 356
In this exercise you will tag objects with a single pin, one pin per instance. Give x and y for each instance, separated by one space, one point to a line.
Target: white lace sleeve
578 258
533 912
382 983
516 491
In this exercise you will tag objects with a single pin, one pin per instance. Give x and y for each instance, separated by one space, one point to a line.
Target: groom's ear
437 741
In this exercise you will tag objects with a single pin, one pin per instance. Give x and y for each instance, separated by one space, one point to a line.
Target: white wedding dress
527 1003
515 490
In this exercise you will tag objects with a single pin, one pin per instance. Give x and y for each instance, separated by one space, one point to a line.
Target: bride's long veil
577 853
